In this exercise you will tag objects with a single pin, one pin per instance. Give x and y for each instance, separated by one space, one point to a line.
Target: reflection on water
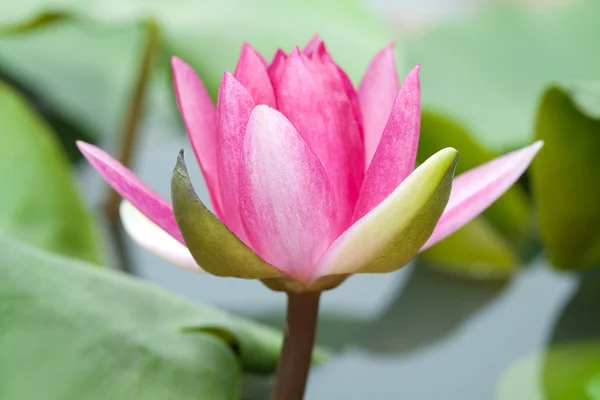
580 317
568 367
443 302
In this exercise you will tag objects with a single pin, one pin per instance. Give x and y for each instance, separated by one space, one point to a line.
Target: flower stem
127 142
294 362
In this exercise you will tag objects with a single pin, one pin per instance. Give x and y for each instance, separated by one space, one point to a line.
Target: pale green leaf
488 68
71 332
562 372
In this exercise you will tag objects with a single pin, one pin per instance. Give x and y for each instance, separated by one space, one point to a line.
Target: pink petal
234 106
315 101
198 113
313 45
337 81
395 157
252 73
130 187
353 97
274 70
286 201
377 95
475 190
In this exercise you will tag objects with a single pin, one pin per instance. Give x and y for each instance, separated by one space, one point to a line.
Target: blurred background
506 308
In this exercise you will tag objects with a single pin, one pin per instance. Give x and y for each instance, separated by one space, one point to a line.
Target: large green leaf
565 177
68 331
88 63
39 202
565 372
489 68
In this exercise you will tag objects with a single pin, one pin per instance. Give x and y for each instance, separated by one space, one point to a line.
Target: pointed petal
154 239
286 202
312 102
389 236
476 189
252 73
337 81
233 110
313 45
198 112
376 95
211 243
274 70
130 187
395 157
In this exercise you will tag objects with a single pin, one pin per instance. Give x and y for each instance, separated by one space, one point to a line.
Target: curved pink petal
395 157
475 190
376 95
198 112
130 187
234 106
286 201
251 72
317 105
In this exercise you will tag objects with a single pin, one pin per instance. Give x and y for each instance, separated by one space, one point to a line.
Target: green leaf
593 388
565 372
565 179
40 203
90 59
71 332
488 69
484 248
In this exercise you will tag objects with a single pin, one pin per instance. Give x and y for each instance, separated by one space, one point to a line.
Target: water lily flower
310 180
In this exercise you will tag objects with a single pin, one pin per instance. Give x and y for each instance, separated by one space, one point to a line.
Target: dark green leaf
565 179
39 202
70 332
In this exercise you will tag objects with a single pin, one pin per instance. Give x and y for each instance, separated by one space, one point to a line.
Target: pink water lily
308 177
